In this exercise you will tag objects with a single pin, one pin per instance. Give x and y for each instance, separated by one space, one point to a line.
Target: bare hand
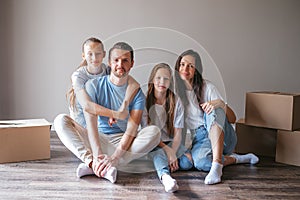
172 158
102 164
112 121
207 107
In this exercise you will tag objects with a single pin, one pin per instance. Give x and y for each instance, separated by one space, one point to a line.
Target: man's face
120 62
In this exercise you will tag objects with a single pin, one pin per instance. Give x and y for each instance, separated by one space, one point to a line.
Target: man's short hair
122 46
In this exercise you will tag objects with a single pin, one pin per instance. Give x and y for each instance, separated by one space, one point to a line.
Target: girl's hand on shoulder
111 121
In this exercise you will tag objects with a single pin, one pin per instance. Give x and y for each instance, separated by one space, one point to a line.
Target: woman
208 117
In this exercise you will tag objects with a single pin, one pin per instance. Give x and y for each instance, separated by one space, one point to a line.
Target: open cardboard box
22 140
273 110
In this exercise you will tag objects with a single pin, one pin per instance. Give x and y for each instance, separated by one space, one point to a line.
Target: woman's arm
218 103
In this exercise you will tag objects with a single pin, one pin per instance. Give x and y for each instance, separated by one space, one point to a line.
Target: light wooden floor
55 179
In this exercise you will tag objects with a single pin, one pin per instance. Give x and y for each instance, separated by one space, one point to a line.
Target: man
117 142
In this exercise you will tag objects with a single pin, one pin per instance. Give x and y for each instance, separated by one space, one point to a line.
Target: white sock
169 183
111 174
83 170
247 158
214 175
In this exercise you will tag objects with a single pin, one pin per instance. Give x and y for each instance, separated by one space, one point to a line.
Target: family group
112 122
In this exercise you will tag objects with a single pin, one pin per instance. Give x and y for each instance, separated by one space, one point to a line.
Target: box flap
23 123
277 93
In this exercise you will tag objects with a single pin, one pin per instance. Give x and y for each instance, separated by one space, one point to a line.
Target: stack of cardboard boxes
271 126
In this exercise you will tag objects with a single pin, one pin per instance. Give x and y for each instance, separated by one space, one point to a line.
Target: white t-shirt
158 117
79 78
194 117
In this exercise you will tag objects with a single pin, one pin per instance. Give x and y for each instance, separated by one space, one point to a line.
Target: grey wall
246 44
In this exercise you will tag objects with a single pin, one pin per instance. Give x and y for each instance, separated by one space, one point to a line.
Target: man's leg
146 140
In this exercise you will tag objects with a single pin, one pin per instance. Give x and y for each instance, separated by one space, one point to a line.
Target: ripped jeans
161 163
201 146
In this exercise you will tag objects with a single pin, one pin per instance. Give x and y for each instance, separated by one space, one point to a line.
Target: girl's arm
171 151
131 91
96 109
177 139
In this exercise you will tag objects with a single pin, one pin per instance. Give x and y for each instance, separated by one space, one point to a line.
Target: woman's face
187 68
162 80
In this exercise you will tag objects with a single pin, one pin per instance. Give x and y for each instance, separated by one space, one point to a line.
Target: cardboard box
22 140
273 110
288 148
257 140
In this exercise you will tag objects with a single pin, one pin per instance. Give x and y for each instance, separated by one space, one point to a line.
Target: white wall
255 45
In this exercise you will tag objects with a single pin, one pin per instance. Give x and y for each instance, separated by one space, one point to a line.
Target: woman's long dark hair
197 81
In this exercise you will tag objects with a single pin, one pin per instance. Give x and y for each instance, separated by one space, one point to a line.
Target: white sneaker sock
247 158
111 174
83 170
169 183
214 175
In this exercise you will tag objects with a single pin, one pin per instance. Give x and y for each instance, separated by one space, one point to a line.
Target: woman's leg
184 156
219 132
201 150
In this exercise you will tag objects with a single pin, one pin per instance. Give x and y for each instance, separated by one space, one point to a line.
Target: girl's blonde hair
70 95
170 97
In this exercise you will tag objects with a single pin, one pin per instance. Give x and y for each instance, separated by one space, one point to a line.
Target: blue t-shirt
106 94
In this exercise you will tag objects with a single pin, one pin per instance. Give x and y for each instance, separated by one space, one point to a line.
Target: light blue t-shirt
105 93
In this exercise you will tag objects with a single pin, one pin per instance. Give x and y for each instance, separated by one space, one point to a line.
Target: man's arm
129 135
92 129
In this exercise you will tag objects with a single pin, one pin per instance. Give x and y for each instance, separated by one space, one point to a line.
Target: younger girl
72 129
166 111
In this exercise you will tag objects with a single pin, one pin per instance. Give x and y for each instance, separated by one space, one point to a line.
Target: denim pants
201 146
160 160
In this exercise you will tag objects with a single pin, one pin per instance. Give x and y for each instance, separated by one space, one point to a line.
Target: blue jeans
160 160
201 146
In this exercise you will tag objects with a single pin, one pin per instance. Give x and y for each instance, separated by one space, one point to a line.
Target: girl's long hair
197 81
170 97
70 95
